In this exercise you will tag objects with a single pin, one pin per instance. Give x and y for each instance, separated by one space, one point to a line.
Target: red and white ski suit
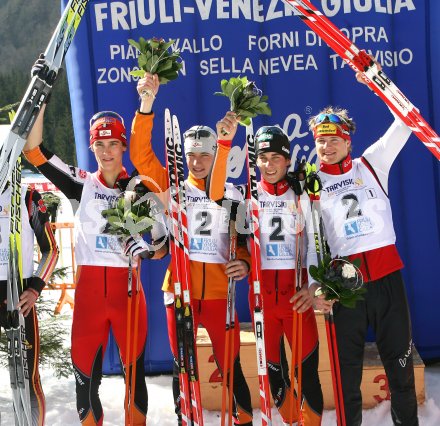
279 219
101 299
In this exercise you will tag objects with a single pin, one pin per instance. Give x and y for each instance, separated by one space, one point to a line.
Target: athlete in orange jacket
209 265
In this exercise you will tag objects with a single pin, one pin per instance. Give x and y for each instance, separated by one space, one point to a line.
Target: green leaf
134 43
156 58
245 122
142 62
154 44
223 85
356 262
115 221
137 73
246 100
164 66
109 212
142 44
167 45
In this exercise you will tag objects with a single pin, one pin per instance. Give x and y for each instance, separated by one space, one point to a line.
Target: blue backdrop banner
265 41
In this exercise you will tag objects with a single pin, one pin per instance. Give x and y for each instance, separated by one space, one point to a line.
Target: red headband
331 129
108 128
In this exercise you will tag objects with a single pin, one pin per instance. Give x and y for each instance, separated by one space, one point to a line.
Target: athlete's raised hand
227 126
147 87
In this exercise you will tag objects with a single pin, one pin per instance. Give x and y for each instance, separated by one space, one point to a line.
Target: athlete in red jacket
101 289
279 221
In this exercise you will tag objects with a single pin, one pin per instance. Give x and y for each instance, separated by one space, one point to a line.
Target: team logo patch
264 145
196 144
205 246
196 244
82 173
272 250
101 242
105 132
107 243
347 163
279 251
358 227
326 129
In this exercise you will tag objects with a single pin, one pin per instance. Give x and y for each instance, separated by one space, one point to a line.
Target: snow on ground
61 408
61 411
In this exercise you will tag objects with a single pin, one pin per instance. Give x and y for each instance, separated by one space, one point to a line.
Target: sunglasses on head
109 114
197 134
329 118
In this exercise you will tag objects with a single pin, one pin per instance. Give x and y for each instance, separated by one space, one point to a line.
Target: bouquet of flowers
340 279
247 100
155 58
129 215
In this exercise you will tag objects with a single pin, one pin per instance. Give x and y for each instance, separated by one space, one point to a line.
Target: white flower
129 197
348 271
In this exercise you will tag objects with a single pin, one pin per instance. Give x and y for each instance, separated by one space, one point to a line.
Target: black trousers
38 402
385 308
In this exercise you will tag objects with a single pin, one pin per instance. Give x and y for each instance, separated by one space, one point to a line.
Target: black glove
296 178
40 67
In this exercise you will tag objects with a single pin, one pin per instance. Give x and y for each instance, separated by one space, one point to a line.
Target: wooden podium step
374 382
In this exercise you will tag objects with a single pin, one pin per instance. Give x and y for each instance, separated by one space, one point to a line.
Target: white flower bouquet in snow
340 279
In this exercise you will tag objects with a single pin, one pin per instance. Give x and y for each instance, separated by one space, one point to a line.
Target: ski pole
297 326
128 342
300 316
258 314
335 368
321 251
228 367
135 340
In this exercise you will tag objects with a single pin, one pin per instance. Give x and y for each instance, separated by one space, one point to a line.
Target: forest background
18 51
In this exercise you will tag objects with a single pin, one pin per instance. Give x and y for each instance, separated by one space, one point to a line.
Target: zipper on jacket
203 281
366 266
105 281
341 168
276 271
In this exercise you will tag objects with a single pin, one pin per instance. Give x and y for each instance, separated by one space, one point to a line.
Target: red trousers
211 314
101 301
277 288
